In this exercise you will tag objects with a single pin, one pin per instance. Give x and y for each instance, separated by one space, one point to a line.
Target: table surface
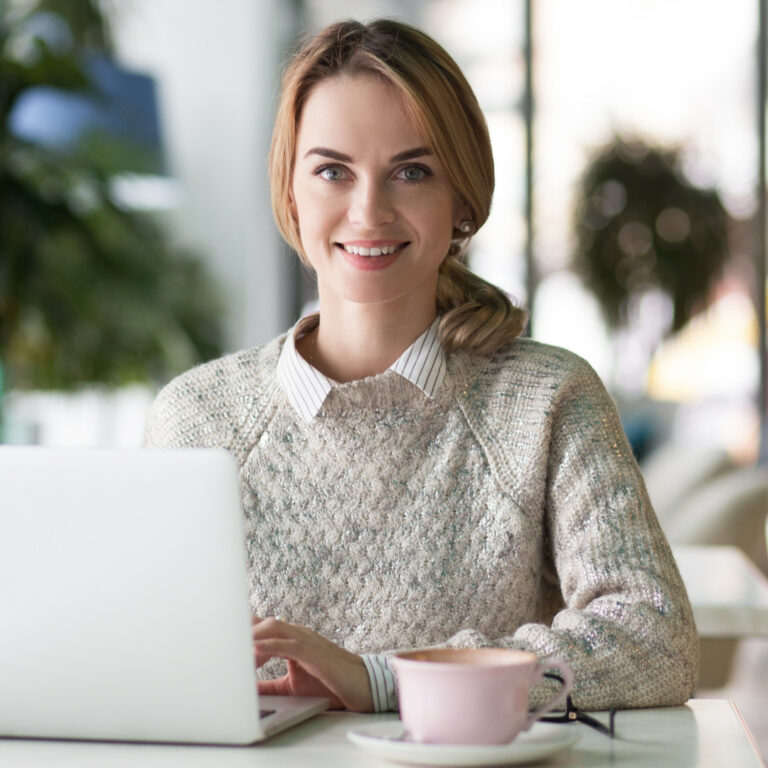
705 733
728 592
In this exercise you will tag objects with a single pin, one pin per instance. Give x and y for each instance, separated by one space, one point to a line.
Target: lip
371 243
371 263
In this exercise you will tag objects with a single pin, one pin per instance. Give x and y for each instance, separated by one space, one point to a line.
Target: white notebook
123 600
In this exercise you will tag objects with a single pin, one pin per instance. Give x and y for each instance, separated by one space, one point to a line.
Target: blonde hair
475 315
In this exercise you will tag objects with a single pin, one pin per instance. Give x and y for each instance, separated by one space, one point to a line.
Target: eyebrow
409 154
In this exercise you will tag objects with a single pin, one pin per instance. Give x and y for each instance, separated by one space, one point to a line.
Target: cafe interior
600 112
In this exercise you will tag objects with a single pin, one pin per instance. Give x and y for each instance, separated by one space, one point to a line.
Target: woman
413 472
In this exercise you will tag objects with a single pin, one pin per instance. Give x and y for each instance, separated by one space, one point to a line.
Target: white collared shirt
423 364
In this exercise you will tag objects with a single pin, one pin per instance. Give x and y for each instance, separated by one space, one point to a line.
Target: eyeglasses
572 714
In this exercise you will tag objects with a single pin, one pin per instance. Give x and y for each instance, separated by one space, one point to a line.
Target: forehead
356 114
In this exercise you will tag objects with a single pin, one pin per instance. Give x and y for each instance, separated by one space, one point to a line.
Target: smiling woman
375 222
414 473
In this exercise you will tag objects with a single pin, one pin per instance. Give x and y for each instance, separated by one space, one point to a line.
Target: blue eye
331 173
413 173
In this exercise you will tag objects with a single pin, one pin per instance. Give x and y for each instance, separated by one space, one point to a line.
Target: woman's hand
316 666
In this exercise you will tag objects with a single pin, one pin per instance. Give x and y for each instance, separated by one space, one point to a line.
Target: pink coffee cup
472 696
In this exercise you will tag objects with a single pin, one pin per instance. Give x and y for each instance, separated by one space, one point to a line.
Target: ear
461 217
292 207
460 213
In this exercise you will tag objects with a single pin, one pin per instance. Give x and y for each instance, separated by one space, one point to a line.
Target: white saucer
384 740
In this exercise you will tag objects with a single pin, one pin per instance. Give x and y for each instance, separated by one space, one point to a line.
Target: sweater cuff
383 682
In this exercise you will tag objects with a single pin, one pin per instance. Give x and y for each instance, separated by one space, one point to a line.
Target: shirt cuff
383 682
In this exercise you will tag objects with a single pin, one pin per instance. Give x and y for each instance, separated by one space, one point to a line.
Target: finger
256 620
274 627
260 658
277 647
314 660
270 629
281 686
310 658
266 648
260 624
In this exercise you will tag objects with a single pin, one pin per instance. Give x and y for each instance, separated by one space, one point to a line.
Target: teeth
383 250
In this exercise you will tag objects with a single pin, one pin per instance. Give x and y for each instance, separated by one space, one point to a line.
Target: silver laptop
123 600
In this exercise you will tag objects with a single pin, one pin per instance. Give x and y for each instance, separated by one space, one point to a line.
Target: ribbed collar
423 364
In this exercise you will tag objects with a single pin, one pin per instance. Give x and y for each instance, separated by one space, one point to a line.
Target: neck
354 341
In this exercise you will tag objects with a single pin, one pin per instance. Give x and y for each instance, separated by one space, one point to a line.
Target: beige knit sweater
506 511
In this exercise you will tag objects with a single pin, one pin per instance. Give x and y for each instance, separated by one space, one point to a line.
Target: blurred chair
702 497
728 509
732 509
675 470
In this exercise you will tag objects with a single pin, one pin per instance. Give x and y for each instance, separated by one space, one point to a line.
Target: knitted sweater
506 511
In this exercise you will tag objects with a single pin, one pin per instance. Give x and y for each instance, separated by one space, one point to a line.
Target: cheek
438 206
437 216
314 212
313 227
303 213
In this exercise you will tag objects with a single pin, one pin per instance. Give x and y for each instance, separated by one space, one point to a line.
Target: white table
729 594
702 734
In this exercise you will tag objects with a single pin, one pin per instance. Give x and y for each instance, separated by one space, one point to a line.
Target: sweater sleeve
626 627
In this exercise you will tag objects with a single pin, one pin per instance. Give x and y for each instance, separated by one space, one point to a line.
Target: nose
371 205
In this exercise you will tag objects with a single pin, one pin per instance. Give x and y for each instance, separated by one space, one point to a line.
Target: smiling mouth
382 250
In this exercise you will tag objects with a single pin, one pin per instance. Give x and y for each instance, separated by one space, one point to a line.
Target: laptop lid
123 597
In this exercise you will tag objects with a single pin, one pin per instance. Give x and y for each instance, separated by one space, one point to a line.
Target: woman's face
375 210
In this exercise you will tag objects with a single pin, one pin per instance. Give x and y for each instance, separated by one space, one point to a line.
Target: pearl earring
465 227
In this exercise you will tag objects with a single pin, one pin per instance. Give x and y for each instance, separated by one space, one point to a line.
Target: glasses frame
572 714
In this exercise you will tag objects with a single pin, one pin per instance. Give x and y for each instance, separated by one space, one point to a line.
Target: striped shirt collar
423 364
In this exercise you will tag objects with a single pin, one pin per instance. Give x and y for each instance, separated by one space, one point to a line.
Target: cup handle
559 698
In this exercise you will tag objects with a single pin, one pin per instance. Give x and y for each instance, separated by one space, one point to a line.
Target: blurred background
136 237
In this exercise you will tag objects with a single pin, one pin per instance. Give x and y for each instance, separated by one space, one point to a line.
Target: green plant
640 224
89 292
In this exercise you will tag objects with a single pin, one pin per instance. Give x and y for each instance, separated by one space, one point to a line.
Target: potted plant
90 292
641 225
